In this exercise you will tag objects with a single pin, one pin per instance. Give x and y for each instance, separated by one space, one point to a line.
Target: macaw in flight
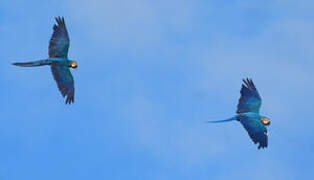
58 60
248 114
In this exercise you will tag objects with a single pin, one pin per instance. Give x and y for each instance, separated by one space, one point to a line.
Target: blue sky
150 73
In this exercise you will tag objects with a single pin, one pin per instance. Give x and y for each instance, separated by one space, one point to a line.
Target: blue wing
250 100
59 42
65 82
256 130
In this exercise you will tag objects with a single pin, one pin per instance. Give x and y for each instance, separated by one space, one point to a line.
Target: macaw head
265 120
73 64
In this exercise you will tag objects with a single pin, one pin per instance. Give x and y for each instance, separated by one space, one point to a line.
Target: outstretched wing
59 42
256 130
250 100
65 82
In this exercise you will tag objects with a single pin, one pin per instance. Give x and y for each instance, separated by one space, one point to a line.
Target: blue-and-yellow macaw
58 60
248 114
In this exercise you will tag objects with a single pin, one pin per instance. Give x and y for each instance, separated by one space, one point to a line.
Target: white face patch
73 64
266 133
265 121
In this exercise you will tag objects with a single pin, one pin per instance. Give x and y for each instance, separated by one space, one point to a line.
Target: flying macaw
248 114
58 60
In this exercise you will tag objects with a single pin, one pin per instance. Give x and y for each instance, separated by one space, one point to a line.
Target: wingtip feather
60 20
70 99
248 83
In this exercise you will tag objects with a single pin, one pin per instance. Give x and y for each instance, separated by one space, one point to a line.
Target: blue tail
34 63
220 121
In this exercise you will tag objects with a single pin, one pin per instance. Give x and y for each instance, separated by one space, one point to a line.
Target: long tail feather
33 63
221 121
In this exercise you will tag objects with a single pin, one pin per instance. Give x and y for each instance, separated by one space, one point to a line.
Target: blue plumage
58 60
60 41
250 100
256 130
248 114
